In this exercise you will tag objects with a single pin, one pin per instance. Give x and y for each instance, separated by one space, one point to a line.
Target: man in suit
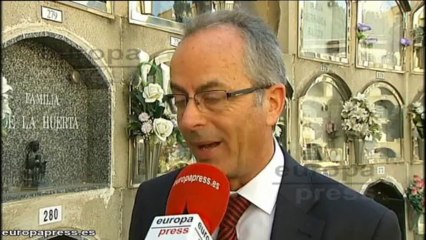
228 84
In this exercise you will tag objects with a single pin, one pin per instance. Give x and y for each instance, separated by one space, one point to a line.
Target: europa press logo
188 226
115 57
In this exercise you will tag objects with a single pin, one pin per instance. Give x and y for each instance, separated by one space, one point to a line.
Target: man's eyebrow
209 85
176 87
205 87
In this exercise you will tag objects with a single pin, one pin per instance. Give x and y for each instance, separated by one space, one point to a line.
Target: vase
147 154
359 145
415 219
152 151
421 148
418 227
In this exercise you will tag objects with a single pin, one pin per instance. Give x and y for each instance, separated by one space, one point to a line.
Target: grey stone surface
72 122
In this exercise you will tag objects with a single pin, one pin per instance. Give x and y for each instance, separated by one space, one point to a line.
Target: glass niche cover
419 40
379 33
388 148
104 6
322 138
173 13
416 113
323 30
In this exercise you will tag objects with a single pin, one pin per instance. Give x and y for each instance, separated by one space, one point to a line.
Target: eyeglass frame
232 94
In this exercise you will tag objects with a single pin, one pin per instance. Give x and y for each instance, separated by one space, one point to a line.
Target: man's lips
206 145
206 150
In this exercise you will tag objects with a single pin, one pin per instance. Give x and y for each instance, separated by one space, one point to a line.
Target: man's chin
211 162
207 161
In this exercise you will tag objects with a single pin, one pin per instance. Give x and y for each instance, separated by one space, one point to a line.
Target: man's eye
212 98
180 101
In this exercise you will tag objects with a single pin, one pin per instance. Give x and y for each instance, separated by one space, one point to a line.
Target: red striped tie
236 207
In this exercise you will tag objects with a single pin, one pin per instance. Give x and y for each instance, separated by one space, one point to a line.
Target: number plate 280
50 215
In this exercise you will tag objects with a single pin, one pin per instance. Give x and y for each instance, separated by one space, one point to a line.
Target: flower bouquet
417 112
405 42
360 123
152 124
360 119
415 194
149 117
279 127
362 28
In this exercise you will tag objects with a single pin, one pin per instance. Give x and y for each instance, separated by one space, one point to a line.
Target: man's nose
191 117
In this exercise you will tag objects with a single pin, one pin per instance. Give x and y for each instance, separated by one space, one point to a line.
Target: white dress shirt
261 191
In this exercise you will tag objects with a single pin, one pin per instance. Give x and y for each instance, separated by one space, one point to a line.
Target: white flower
143 117
137 81
5 87
372 121
5 109
360 97
162 128
347 107
360 119
143 56
175 123
153 92
417 112
420 109
365 130
416 104
369 138
166 76
145 67
146 127
277 131
359 113
371 107
417 109
357 127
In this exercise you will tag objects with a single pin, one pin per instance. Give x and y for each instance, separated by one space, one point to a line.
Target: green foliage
415 194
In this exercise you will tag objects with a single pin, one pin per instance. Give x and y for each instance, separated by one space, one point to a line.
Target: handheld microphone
196 205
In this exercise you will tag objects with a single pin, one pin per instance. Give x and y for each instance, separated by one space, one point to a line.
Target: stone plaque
57 136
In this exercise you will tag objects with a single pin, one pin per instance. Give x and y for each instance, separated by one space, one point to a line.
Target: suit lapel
296 197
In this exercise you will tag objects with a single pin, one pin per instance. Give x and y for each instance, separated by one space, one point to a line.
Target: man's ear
275 99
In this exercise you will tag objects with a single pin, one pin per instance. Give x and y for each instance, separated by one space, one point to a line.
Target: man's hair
263 59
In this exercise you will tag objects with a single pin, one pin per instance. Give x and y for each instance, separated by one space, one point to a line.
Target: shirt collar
262 190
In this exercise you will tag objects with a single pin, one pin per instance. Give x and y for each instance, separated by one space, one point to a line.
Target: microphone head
200 189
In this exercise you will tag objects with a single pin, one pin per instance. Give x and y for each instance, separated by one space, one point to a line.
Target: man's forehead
216 29
201 86
223 36
202 49
210 58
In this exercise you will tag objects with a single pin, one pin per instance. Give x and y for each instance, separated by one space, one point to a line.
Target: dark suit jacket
309 206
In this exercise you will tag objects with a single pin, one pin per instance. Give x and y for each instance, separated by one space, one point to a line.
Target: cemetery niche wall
57 137
322 139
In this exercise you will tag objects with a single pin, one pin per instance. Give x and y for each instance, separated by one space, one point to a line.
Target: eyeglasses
208 101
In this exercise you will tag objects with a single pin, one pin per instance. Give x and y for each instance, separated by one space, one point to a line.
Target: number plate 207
50 215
